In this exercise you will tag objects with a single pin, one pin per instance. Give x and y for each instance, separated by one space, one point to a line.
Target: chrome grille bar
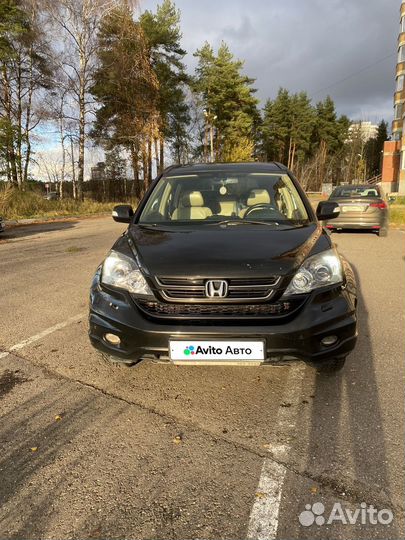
242 290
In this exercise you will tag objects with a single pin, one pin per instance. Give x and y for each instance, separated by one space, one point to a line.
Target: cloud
307 45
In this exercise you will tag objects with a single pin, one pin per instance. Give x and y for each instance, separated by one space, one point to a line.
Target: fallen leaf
261 495
178 439
314 489
34 448
57 417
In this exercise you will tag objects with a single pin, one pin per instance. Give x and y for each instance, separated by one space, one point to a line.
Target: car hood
240 251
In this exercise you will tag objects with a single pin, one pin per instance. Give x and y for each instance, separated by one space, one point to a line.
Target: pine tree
227 97
126 88
374 148
288 123
115 165
163 35
329 130
302 125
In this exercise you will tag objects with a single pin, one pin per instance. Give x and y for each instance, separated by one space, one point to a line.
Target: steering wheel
262 206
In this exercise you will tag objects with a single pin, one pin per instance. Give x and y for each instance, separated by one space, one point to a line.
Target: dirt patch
75 249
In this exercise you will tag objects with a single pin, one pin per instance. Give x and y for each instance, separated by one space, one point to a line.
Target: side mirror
327 210
122 213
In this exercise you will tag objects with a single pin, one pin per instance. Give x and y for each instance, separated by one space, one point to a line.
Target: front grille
216 310
239 289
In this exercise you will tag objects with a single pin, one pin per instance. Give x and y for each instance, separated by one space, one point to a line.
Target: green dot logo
189 350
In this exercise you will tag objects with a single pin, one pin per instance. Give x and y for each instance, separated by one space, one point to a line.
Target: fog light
329 340
112 338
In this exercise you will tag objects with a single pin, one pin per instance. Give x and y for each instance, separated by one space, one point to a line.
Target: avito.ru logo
365 515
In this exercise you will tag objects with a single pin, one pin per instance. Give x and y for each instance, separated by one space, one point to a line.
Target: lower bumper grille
217 310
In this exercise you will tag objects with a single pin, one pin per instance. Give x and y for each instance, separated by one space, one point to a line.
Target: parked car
2 225
361 207
52 196
224 264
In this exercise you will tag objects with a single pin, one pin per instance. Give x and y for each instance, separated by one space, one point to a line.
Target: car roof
255 166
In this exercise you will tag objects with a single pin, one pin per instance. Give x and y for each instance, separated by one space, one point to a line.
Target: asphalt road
93 451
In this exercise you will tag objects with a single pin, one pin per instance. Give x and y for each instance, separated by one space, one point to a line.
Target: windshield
214 197
355 192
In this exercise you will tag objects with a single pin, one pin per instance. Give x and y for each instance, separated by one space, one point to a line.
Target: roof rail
170 167
280 165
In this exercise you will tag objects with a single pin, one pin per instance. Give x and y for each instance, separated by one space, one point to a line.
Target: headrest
258 196
192 198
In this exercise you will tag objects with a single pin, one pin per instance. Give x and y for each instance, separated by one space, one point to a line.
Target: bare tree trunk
27 161
19 122
62 142
28 119
162 154
80 174
11 157
82 123
149 143
144 166
156 152
72 154
293 156
135 169
63 169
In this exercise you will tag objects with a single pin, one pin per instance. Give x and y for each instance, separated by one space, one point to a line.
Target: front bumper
323 313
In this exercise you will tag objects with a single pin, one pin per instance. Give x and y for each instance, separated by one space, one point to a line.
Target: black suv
225 264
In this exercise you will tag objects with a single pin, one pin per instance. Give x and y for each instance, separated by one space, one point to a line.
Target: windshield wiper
244 222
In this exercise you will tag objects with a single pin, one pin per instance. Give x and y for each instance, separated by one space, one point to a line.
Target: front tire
383 233
332 365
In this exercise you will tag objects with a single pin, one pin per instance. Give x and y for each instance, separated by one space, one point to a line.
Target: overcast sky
305 45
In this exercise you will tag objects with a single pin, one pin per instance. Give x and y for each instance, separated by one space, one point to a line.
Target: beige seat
192 207
256 196
229 206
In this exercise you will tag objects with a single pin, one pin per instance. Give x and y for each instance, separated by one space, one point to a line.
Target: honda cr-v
225 264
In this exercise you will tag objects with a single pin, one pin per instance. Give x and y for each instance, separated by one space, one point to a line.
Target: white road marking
264 516
42 334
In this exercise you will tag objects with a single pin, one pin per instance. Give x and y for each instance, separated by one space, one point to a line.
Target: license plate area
353 208
197 352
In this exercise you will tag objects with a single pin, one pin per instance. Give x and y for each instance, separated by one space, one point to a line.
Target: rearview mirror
122 213
327 210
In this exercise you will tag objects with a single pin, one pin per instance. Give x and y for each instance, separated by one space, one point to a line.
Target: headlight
122 271
317 271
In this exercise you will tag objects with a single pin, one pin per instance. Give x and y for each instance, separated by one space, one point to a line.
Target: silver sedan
361 207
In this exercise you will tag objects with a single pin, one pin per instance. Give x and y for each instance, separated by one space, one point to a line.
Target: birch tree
76 24
25 76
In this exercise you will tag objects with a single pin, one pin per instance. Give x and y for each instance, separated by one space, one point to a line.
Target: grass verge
16 204
397 215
